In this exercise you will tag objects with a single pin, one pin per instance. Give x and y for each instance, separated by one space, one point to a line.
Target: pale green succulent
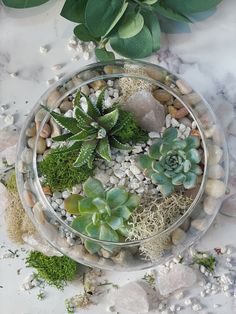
91 131
102 215
172 162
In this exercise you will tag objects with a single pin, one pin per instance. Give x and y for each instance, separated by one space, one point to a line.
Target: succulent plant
172 162
102 215
92 131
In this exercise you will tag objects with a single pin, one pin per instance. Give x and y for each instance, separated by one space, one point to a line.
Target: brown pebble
177 104
172 111
41 145
46 131
30 132
65 106
110 69
155 73
181 113
195 133
47 190
162 95
96 85
29 198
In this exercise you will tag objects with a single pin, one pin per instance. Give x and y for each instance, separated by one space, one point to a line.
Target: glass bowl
129 255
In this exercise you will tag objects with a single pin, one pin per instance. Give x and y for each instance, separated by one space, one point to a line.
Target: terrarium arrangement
118 167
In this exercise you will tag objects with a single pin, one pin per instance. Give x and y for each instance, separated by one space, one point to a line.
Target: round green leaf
170 134
131 25
72 204
144 161
190 180
100 15
108 234
138 46
170 14
133 201
116 197
166 189
122 211
83 33
23 4
93 230
151 21
114 222
81 223
194 156
154 151
103 55
73 10
158 178
192 142
178 179
93 188
92 247
86 206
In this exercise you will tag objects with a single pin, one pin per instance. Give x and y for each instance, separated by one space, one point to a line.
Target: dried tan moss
156 214
130 86
17 221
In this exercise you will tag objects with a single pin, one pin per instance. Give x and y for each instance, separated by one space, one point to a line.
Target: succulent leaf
187 165
93 230
117 144
167 188
115 222
179 144
196 169
103 149
116 197
73 147
86 206
80 223
108 234
178 179
82 117
154 151
68 123
159 178
194 156
72 204
132 201
109 120
122 211
92 247
83 136
92 110
62 138
192 142
93 188
85 153
100 204
169 135
100 100
190 180
144 161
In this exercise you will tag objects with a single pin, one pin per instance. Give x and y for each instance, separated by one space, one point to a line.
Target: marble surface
205 57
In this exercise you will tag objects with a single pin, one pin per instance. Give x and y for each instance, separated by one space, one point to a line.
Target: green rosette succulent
102 215
90 132
172 162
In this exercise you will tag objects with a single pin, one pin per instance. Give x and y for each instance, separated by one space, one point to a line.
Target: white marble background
206 57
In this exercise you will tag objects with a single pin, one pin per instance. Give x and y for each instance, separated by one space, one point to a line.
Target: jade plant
172 162
91 132
131 27
102 215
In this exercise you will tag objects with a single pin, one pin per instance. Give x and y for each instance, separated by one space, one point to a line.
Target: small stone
105 253
50 81
199 224
215 154
172 111
154 134
123 258
186 224
53 98
43 49
29 198
56 67
192 99
114 180
180 276
22 167
119 173
46 131
134 297
174 122
181 113
39 117
99 84
155 73
4 199
31 131
177 104
210 205
65 106
149 112
55 129
196 307
41 144
216 172
9 120
178 236
162 95
169 121
135 170
27 155
183 87
215 188
13 74
46 190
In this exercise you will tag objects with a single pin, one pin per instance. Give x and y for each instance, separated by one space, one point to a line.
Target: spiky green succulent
172 162
101 214
91 131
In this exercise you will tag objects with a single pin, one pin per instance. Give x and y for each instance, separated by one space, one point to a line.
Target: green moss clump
55 270
11 182
208 262
131 131
59 172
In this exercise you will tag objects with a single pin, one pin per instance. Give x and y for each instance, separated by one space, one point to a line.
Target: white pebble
172 308
56 67
71 46
135 170
174 122
13 74
86 55
194 125
168 120
154 134
9 119
216 306
65 194
111 308
50 82
114 180
182 128
43 49
188 302
203 294
196 307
